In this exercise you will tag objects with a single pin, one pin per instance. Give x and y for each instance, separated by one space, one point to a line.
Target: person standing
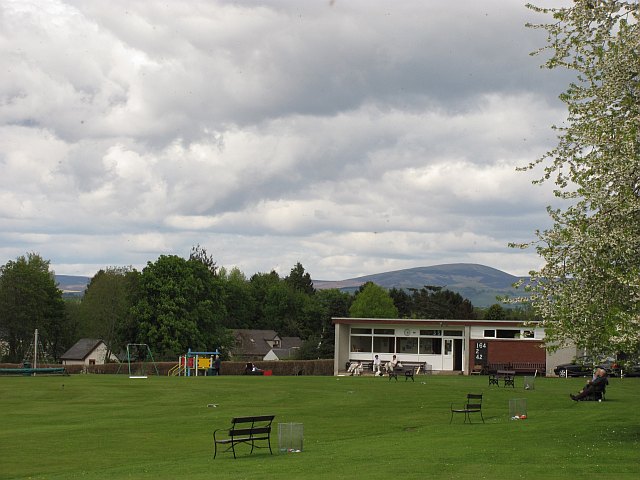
216 365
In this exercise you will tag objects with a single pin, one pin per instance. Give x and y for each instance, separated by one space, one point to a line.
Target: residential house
256 345
87 351
288 349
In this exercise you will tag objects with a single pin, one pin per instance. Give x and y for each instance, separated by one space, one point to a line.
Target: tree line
177 303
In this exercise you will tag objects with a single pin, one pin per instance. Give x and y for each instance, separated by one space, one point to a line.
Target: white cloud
354 137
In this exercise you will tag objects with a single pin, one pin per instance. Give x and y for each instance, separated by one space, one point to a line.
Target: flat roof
433 322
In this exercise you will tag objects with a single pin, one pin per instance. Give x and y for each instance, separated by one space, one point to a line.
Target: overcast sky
354 137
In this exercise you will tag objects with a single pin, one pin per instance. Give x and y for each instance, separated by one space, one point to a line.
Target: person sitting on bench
594 385
251 369
376 366
355 368
391 366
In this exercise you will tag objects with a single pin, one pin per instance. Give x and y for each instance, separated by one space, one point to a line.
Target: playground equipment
140 355
30 367
192 364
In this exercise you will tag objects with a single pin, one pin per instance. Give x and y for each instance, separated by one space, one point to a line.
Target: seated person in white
355 368
393 364
376 366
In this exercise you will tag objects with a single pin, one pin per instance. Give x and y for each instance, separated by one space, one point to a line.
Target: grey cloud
352 136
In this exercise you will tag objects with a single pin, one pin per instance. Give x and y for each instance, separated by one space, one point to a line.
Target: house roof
254 342
81 349
290 342
283 353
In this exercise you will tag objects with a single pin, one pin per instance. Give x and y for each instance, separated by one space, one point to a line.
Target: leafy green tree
277 304
200 254
436 302
300 280
105 310
373 301
495 312
588 291
402 301
239 301
30 299
334 303
180 306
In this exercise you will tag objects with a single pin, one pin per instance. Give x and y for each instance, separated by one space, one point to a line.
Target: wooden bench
507 377
408 372
244 430
473 405
527 367
519 367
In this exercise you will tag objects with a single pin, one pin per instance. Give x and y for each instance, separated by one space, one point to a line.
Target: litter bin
529 383
518 408
290 437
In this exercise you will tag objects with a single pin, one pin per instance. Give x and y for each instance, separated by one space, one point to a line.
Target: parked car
584 366
632 370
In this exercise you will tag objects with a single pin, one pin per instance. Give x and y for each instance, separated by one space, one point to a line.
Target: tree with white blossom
588 291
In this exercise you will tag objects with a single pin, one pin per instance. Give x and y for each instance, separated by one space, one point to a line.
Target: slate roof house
87 351
252 345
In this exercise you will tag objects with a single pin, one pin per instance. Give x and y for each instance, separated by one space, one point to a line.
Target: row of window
508 333
430 342
392 331
398 345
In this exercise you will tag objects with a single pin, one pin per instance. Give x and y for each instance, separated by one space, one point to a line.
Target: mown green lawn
113 427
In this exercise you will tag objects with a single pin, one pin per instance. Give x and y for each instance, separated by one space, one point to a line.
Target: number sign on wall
481 353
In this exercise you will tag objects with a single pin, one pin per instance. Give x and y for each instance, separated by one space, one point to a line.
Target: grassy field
113 427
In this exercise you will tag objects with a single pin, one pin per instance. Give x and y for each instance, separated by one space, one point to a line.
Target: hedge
281 367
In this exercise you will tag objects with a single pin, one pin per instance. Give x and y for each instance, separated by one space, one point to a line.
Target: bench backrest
474 401
251 425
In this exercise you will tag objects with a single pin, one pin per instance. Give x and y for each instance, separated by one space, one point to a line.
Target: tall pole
35 350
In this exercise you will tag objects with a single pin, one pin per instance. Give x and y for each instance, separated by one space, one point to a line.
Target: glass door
447 354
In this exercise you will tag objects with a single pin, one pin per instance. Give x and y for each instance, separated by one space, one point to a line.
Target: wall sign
481 357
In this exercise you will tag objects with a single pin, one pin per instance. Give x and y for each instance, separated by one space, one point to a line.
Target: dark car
631 371
584 366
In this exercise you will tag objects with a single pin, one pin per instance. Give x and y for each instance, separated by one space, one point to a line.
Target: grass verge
113 427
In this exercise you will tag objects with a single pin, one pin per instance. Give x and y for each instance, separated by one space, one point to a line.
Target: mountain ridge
478 283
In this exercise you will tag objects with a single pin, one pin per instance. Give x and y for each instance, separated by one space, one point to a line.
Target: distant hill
71 285
479 283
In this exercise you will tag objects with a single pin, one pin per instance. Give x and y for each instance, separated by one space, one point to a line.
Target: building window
360 331
92 361
384 331
490 334
430 346
507 333
452 333
528 334
361 344
383 344
431 333
406 345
